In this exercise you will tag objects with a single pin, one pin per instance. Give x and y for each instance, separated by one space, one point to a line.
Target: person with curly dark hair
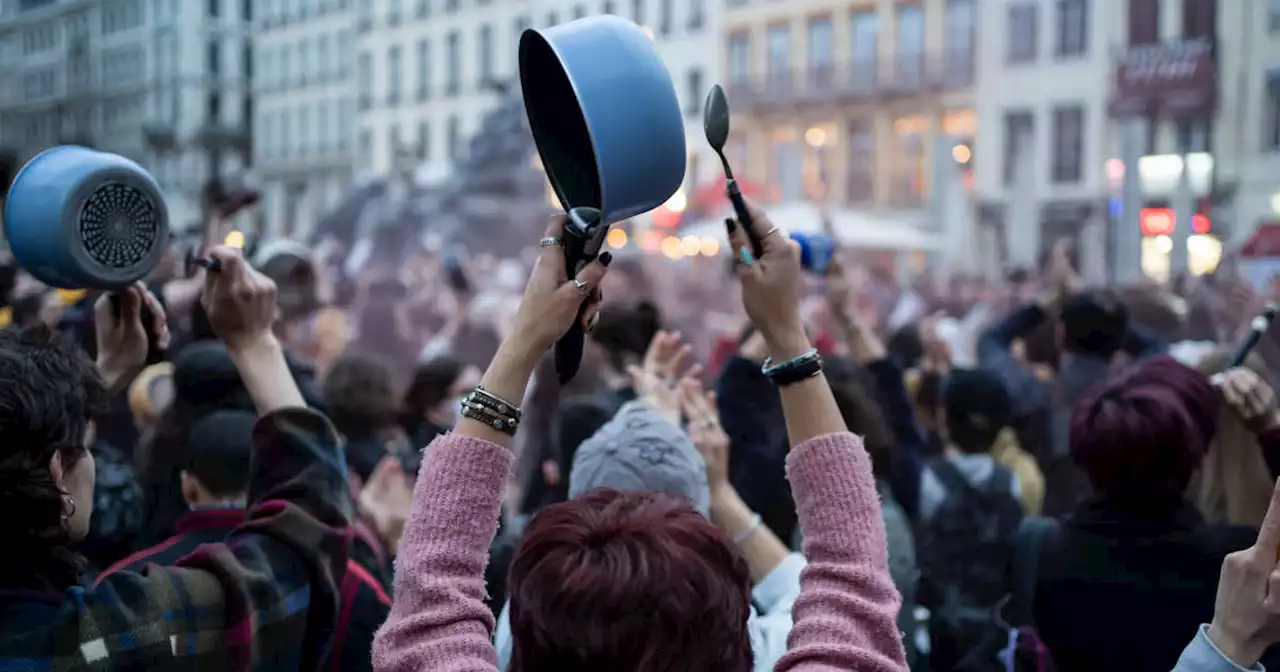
361 400
266 598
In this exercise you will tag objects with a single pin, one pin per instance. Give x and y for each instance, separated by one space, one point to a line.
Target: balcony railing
856 80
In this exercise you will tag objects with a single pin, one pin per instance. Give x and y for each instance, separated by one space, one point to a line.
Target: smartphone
454 273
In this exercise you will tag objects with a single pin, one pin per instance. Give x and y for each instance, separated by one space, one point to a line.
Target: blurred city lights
678 201
710 247
961 153
690 246
671 248
235 239
815 137
650 241
617 238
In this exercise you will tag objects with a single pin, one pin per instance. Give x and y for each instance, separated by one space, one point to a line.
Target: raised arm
439 620
267 598
845 617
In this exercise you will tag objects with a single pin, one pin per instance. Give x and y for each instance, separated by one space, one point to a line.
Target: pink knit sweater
845 617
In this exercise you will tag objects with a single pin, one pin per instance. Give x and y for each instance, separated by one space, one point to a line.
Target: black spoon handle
744 216
1257 328
568 353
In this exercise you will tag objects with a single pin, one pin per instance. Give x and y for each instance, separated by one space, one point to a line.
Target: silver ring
772 231
549 242
582 286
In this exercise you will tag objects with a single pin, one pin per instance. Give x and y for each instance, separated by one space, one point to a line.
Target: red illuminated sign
1161 222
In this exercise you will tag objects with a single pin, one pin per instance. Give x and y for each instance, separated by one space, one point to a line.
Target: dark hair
861 411
219 450
1094 323
51 392
977 407
628 582
26 310
905 345
625 332
430 385
359 394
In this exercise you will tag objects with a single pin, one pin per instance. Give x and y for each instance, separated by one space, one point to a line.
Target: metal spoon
715 125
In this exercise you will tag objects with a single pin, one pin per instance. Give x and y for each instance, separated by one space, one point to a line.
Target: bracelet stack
793 370
489 409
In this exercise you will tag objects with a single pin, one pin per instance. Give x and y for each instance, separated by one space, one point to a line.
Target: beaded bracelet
794 370
494 403
491 410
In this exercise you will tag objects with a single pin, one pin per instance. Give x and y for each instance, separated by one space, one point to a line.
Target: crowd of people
293 463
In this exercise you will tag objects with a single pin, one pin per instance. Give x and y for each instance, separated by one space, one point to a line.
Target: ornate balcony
860 80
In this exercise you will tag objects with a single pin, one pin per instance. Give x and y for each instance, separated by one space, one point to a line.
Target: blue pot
604 115
77 218
816 251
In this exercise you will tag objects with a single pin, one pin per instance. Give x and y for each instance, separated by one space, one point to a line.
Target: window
908 157
365 80
344 51
286 69
324 59
1199 19
246 61
455 136
693 92
1272 142
345 115
778 55
393 141
422 9
910 46
697 14
637 12
1024 24
213 57
324 132
451 5
958 52
787 167
304 61
304 131
394 12
453 75
424 141
864 36
608 8
1144 22
1073 28
1019 126
553 19
485 46
740 58
862 162
1068 144
366 148
395 73
1273 15
821 49
424 69
664 17
246 11
520 25
215 8
579 11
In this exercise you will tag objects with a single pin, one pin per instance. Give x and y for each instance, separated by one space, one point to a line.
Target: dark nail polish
730 224
606 258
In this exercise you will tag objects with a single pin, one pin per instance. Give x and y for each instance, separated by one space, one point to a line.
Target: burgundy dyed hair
628 582
1143 433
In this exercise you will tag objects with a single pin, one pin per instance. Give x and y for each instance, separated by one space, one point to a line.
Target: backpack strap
1033 535
949 475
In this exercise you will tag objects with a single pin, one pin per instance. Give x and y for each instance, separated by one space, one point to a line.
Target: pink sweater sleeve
439 620
846 615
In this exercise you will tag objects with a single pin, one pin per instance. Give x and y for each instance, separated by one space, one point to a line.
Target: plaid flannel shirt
266 599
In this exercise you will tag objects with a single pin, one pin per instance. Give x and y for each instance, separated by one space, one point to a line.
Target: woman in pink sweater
844 619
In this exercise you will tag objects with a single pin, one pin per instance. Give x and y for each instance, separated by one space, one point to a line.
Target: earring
70 509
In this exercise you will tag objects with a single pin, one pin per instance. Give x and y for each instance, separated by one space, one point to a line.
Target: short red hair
628 582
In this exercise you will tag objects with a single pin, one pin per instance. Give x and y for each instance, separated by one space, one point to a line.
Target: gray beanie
641 451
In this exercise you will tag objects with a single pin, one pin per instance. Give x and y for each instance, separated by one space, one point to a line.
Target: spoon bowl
715 118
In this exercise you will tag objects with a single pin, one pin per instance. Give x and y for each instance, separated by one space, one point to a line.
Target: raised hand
656 378
122 338
1250 397
1246 611
770 284
551 299
706 432
240 301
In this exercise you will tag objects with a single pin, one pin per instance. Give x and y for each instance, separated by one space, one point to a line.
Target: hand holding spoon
715 125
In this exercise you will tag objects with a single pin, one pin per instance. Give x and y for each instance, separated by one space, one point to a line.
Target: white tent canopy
903 230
